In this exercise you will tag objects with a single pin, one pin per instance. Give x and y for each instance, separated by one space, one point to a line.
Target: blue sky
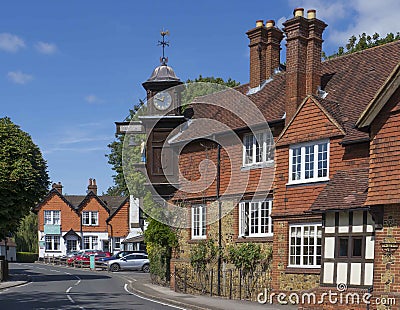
70 69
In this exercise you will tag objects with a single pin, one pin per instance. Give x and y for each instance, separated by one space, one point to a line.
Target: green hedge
26 257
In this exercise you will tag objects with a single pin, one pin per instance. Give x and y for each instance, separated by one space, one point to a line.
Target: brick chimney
92 186
303 58
264 51
314 50
57 186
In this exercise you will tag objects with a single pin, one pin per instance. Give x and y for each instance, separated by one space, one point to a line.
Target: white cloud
346 18
93 99
46 48
11 43
19 77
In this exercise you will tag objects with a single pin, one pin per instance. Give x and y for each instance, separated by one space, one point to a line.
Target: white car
134 261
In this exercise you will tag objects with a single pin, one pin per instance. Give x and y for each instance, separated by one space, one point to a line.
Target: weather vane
163 43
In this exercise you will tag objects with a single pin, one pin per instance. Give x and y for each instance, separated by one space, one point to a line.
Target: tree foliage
203 254
23 175
248 256
26 236
363 42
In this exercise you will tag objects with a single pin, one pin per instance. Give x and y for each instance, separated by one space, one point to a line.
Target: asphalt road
54 287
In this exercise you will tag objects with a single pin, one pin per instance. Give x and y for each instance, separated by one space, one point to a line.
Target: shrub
27 257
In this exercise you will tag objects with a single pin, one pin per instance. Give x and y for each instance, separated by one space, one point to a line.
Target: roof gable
380 99
114 211
87 199
49 196
310 115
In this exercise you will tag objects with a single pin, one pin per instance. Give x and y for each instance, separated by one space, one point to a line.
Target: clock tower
164 114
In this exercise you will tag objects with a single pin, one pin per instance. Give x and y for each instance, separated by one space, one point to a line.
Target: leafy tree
26 236
23 175
363 42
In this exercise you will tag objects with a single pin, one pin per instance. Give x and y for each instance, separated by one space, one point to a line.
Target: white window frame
93 220
199 221
93 242
302 177
54 217
51 239
267 155
117 240
249 219
302 245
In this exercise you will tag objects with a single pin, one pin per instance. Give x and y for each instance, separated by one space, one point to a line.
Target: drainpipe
219 217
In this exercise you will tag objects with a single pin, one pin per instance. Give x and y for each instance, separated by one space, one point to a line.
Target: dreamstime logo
221 115
340 296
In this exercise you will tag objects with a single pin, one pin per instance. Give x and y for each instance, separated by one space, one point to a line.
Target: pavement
141 286
14 280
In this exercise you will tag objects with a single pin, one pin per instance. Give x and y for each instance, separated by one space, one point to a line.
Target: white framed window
309 162
305 245
258 148
52 217
198 222
90 242
117 243
52 243
90 218
255 218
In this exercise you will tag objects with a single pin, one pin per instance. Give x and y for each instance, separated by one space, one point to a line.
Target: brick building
69 223
331 214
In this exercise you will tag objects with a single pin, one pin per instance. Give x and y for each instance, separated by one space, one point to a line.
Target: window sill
51 251
257 166
242 239
303 269
196 240
308 181
89 225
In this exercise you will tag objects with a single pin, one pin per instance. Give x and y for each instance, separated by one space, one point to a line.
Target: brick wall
94 205
120 222
385 155
69 218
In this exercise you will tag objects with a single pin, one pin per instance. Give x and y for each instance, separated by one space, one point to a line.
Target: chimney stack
57 186
92 186
264 51
303 58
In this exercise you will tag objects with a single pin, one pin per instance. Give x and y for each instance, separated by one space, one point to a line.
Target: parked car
85 258
119 255
135 261
77 255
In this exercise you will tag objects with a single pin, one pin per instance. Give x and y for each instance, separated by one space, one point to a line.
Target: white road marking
152 300
68 273
68 290
70 299
79 280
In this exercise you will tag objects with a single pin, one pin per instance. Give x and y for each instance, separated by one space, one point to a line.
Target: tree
363 42
23 175
26 236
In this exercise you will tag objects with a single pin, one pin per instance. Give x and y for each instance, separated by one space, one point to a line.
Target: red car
73 258
85 258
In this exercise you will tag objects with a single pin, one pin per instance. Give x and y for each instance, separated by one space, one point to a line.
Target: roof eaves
381 97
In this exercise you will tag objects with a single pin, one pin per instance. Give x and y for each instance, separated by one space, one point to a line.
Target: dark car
119 255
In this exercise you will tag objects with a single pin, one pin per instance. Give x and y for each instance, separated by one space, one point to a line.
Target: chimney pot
259 23
311 14
298 12
270 23
92 186
57 186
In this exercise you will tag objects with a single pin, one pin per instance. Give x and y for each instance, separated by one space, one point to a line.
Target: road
54 287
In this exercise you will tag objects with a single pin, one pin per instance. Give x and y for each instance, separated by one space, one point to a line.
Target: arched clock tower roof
163 76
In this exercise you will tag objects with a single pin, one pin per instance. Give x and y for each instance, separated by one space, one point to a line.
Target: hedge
27 257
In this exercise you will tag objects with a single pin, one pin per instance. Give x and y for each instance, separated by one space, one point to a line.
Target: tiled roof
74 200
111 202
350 81
347 189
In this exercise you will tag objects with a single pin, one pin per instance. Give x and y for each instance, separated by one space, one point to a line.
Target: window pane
56 217
269 142
248 148
322 160
296 164
264 217
254 218
259 145
309 162
357 246
94 216
343 247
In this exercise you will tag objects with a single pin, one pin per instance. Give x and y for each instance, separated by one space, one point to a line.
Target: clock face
162 101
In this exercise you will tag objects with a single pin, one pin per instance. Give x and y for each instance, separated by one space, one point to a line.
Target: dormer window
309 162
257 148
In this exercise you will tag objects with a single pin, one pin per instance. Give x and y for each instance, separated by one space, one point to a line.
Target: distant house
69 223
10 247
